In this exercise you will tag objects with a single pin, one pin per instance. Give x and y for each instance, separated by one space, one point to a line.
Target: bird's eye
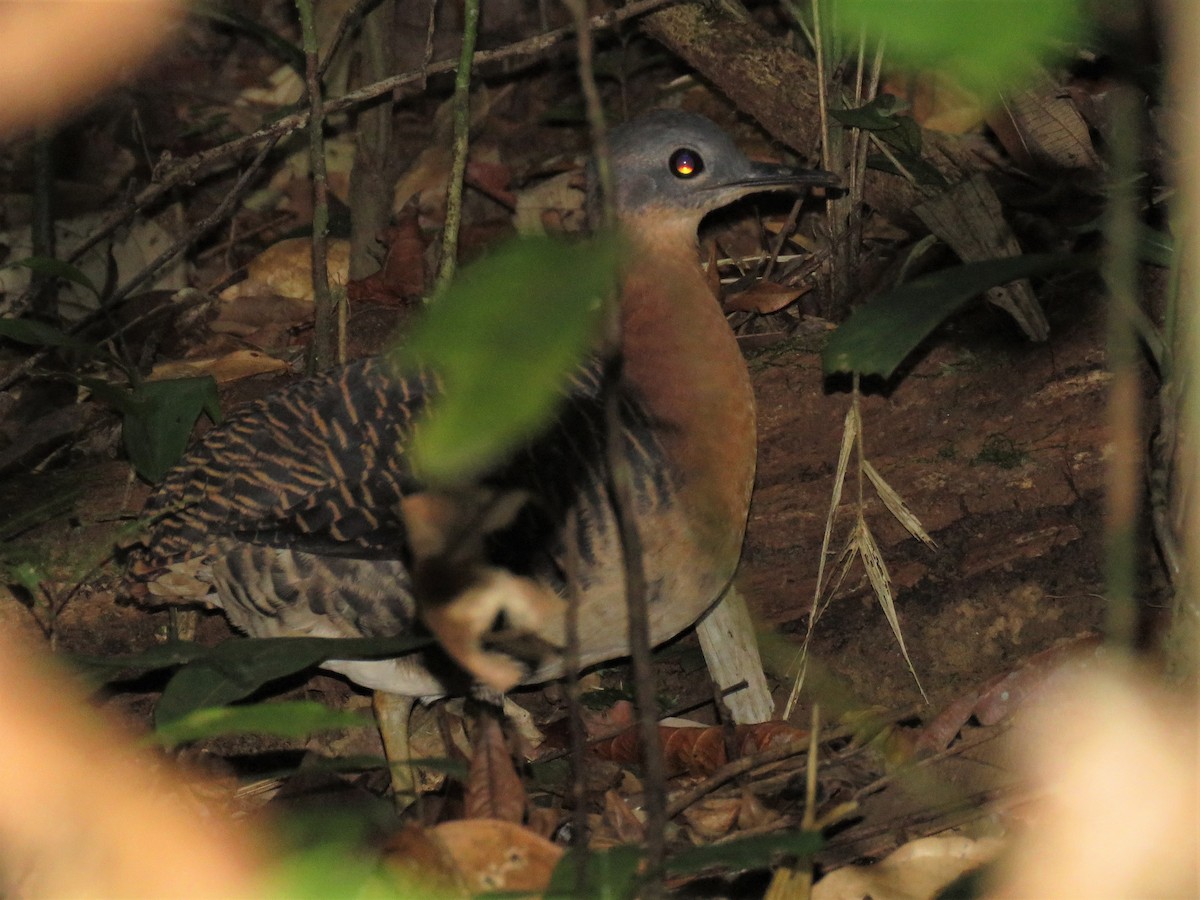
686 163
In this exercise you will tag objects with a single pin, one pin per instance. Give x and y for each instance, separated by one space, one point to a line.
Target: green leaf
41 334
878 115
293 718
159 416
610 874
877 337
504 338
745 853
238 667
159 656
48 265
984 44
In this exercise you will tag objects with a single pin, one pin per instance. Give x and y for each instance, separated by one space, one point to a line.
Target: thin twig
462 135
321 350
172 174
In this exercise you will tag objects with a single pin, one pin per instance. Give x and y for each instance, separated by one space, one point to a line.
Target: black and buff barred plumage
300 516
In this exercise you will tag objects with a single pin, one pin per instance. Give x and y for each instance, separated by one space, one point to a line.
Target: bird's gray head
670 161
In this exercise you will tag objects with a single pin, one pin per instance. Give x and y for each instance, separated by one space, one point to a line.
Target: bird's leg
731 650
393 713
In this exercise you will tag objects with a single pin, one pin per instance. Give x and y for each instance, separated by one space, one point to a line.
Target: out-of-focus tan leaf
919 869
493 855
493 789
285 269
1041 127
937 103
230 367
997 698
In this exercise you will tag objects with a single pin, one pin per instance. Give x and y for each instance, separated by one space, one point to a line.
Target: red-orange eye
686 163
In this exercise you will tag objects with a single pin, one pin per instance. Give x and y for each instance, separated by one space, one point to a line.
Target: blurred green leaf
504 338
41 334
610 874
238 667
290 718
985 44
48 265
158 420
877 337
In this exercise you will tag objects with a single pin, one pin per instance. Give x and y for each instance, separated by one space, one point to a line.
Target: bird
298 517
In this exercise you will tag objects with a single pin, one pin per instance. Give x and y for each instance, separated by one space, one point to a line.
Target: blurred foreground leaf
503 338
238 667
878 337
986 45
298 718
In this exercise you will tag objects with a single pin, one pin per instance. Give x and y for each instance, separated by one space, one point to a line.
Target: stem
321 350
462 135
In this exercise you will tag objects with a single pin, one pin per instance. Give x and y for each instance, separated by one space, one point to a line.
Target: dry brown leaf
285 269
1042 127
244 316
752 813
401 280
701 750
765 298
917 870
602 723
551 206
712 817
622 820
494 789
230 367
493 855
997 698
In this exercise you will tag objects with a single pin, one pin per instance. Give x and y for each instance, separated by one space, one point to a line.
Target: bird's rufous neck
682 362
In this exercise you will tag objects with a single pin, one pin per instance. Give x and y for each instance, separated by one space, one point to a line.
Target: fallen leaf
492 855
919 869
494 789
765 298
701 750
712 817
622 820
285 269
224 369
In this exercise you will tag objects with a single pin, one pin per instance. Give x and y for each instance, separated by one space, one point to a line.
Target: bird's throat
682 362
